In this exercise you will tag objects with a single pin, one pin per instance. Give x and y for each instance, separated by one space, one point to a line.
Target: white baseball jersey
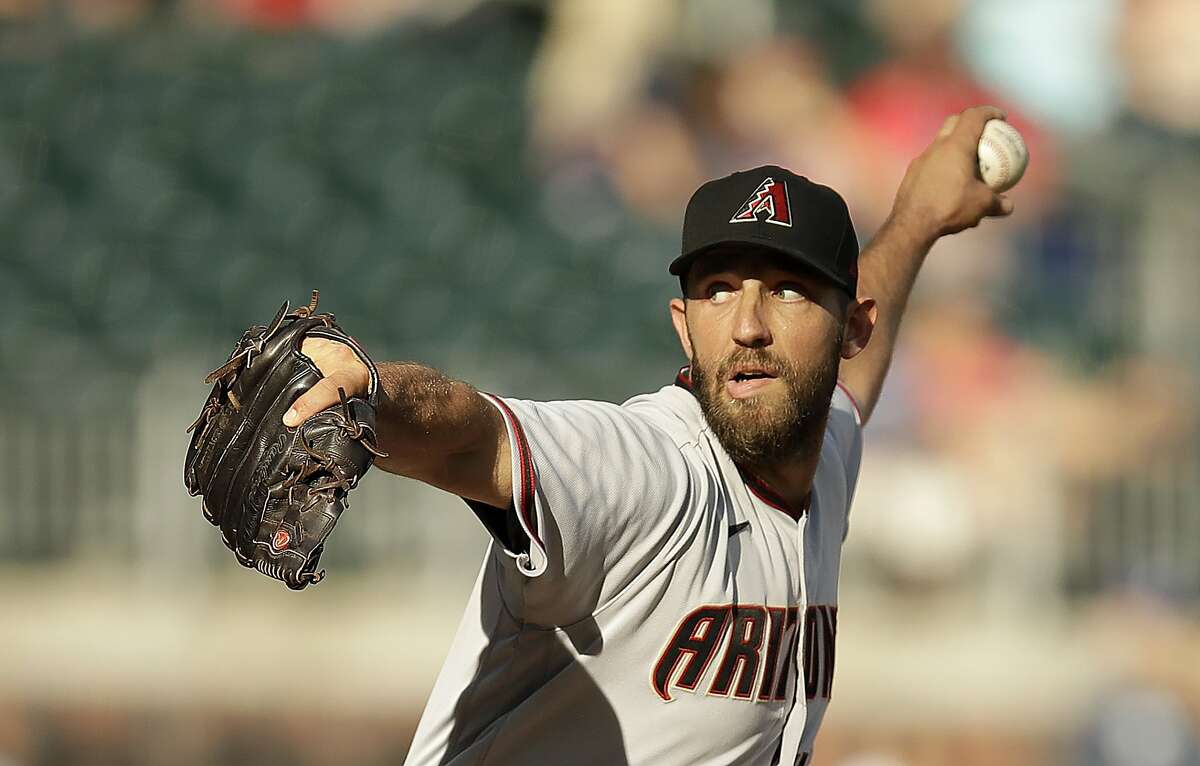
644 601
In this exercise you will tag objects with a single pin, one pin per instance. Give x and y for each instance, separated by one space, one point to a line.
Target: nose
749 326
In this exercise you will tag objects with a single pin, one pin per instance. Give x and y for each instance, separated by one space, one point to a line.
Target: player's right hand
340 367
942 192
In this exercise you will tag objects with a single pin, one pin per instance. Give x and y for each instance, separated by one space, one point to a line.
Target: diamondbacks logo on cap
770 197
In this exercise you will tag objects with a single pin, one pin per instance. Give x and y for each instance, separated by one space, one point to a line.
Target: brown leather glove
277 492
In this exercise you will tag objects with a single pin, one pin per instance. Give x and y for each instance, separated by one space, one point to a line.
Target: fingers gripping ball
275 491
1002 155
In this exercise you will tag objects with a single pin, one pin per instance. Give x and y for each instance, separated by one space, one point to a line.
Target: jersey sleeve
598 491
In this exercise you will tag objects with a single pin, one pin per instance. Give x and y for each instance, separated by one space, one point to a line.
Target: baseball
1002 155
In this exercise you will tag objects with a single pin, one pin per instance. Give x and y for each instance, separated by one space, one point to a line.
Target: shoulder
670 415
673 410
840 458
844 409
649 435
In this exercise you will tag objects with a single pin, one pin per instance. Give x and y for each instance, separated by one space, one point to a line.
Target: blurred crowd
1036 453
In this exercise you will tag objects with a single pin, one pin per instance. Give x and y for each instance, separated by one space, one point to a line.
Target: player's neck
791 479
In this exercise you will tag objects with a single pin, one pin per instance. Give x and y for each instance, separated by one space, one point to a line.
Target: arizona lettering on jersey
644 601
758 645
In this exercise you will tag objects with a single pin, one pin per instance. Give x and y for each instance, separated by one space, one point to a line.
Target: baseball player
661 584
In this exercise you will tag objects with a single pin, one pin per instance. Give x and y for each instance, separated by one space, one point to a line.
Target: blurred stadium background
495 188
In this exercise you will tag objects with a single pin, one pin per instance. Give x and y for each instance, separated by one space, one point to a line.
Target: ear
679 319
860 323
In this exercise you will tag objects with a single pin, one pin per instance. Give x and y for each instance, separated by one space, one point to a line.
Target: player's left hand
340 367
942 192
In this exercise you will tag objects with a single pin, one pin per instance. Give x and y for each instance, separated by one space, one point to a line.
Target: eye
790 293
719 292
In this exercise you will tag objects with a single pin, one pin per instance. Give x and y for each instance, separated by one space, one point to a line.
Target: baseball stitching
1002 158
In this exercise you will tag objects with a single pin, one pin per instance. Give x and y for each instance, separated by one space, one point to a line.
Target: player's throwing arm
952 186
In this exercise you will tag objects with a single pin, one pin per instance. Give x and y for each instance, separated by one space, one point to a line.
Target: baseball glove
277 492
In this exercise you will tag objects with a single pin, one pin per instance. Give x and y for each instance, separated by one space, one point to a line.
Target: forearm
888 268
432 428
941 194
426 418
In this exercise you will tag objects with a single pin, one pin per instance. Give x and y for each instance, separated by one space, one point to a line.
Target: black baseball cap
772 208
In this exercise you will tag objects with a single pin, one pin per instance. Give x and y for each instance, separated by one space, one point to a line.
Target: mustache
756 357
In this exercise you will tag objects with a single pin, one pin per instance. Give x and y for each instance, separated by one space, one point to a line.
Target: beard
768 429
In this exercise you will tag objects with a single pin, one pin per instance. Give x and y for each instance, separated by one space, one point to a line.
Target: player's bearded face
776 424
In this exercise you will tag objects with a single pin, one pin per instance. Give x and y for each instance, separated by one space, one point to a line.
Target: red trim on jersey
853 401
683 378
528 477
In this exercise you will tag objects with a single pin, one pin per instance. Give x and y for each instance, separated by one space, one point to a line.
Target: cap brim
680 265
